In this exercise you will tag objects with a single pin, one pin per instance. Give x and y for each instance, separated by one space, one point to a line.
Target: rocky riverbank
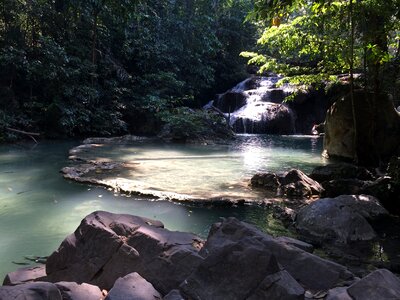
112 256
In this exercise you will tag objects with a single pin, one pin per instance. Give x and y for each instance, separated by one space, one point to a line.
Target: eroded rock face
310 271
341 220
107 246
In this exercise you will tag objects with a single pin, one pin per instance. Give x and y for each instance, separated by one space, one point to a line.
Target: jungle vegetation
106 67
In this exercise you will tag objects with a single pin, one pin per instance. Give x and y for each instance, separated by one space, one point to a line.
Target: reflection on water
38 208
210 171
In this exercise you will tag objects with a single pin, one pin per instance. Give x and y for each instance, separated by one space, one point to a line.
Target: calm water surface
38 208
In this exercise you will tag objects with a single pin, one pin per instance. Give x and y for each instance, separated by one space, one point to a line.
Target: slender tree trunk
351 21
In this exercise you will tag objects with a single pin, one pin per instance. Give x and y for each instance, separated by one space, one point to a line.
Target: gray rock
339 293
30 291
173 295
278 286
380 284
135 287
107 246
23 275
232 271
343 219
340 171
296 243
75 291
311 271
297 184
337 187
268 181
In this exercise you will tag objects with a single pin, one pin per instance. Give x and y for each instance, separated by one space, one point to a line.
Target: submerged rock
340 220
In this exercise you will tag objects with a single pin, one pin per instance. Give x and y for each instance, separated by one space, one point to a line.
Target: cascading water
255 106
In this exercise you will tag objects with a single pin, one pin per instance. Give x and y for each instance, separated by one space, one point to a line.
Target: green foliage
314 37
91 67
183 124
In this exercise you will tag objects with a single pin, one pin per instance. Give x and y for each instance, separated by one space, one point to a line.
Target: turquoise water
38 208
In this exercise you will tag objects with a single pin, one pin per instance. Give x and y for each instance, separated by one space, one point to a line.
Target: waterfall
255 106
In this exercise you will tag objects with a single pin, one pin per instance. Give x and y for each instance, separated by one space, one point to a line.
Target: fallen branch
30 134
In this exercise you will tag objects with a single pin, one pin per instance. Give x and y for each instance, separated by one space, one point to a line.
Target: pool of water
38 208
208 171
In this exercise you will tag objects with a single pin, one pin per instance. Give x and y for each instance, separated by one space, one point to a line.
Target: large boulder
232 237
133 286
235 271
31 291
377 139
340 220
107 246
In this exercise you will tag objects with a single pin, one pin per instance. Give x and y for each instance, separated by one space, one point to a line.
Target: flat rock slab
31 291
24 275
108 246
133 286
340 220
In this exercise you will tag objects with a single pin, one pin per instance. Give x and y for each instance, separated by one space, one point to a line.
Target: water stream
38 208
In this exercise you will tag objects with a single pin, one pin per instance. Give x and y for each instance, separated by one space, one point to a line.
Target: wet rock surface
129 257
294 184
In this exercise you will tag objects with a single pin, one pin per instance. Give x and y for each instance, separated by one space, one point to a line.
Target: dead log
30 134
